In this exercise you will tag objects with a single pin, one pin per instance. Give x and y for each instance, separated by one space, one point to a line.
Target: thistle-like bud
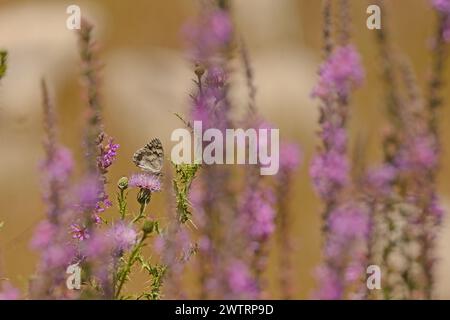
123 183
144 196
199 70
148 227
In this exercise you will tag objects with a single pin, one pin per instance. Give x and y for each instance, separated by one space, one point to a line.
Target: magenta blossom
145 181
341 73
240 280
334 137
124 236
442 5
290 157
258 207
60 166
380 179
210 34
43 235
107 155
420 154
331 287
8 292
78 232
349 221
58 255
329 171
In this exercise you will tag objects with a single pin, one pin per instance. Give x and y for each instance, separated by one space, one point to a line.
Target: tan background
146 78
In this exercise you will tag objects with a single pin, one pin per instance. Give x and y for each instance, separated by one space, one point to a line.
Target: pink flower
43 235
79 232
349 221
334 137
442 5
290 156
221 27
209 35
379 179
60 166
107 155
216 79
328 172
420 154
145 181
8 292
58 255
341 73
258 210
331 287
124 236
240 280
98 247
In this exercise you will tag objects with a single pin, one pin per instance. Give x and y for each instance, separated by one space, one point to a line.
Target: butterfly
150 158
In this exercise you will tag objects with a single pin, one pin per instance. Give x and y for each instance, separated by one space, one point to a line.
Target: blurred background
147 78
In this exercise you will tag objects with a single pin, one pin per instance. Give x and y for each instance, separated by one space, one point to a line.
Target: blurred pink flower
442 5
8 292
329 172
349 221
240 280
341 73
124 236
290 156
43 235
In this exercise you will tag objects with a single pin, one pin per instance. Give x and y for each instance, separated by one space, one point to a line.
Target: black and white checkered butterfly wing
151 157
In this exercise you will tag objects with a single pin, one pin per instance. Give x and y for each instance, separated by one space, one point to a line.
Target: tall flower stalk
51 236
208 41
406 218
345 218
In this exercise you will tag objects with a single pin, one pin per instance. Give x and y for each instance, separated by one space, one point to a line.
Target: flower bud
199 70
148 226
144 196
123 183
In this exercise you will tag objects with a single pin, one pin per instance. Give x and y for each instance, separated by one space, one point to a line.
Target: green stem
141 213
131 260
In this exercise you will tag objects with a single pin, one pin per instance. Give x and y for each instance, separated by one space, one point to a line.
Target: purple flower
221 27
124 236
98 247
216 79
209 35
58 255
145 181
60 166
240 280
380 179
258 209
334 137
290 157
341 73
442 5
330 285
79 232
420 154
349 221
43 235
107 155
88 192
8 292
329 171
